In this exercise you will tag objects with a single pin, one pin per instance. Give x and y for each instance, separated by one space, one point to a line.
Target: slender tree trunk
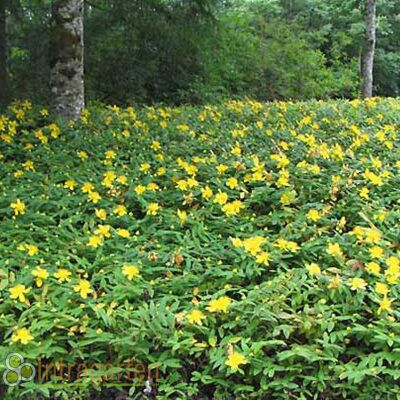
67 79
367 63
3 55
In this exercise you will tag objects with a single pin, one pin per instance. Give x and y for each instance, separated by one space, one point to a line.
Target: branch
89 3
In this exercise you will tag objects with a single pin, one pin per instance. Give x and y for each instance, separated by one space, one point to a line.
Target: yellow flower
32 249
182 215
63 275
83 287
161 171
232 183
373 236
87 187
120 210
236 151
101 213
122 179
55 131
70 184
313 269
233 208
18 207
315 168
358 231
373 178
206 193
19 292
182 185
373 268
144 167
109 177
140 189
22 335
7 138
152 186
235 360
82 155
103 231
21 247
221 168
376 162
282 160
110 154
287 245
237 242
220 304
130 271
376 252
41 275
392 279
196 317
393 263
263 258
380 215
94 241
288 197
358 283
385 305
192 183
392 272
152 209
283 178
364 193
221 198
123 233
313 215
94 197
334 250
155 145
341 224
253 245
28 165
335 282
381 288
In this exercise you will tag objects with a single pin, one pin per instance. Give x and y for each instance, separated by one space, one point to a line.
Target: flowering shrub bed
237 251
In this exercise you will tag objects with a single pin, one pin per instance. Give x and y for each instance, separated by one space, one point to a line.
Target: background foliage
199 51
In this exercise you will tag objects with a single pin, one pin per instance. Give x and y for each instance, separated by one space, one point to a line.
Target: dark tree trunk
367 62
67 80
3 55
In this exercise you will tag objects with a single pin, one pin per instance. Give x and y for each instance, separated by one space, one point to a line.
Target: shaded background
187 51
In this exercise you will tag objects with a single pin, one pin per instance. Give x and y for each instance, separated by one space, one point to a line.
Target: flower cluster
229 240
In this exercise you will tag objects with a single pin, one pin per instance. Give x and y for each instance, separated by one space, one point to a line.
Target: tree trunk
367 63
67 79
3 55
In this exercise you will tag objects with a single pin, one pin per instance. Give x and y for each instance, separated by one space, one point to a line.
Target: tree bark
67 75
367 63
3 55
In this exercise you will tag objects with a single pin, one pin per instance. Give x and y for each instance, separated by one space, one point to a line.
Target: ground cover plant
243 250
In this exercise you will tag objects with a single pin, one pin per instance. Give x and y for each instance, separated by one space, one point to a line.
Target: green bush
267 60
179 53
241 250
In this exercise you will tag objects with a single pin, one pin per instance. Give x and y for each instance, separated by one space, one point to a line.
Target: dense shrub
178 52
269 60
244 250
